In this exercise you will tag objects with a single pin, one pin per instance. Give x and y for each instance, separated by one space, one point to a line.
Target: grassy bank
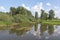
4 23
54 22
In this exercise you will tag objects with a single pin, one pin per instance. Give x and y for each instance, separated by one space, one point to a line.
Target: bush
7 19
20 18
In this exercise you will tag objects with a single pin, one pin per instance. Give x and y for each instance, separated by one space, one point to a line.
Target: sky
32 5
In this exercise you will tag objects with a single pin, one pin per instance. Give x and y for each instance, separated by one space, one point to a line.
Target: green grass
5 23
55 22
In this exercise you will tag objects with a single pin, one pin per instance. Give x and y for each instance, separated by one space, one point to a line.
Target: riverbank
53 22
11 24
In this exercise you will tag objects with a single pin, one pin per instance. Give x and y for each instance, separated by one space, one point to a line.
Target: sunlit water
36 32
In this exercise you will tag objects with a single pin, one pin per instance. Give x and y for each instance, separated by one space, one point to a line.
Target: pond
35 32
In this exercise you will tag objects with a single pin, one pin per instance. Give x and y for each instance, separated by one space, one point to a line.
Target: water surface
35 32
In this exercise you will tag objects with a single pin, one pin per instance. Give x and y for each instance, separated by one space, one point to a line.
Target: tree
18 11
12 10
43 15
36 15
29 15
21 10
51 14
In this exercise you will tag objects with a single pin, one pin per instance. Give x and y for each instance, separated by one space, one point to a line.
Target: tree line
45 16
21 14
27 13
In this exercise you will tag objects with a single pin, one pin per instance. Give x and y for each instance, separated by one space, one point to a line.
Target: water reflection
36 27
43 28
35 32
19 30
50 29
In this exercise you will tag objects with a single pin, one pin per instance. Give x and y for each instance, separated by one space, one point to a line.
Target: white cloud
56 7
2 8
25 6
38 8
48 4
57 13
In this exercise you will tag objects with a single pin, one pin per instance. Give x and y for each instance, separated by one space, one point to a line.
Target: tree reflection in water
43 28
38 30
50 29
36 26
20 30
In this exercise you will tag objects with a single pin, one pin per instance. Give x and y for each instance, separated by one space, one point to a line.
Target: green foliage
12 11
51 14
23 15
4 23
36 15
43 15
20 10
19 14
54 22
20 18
5 18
